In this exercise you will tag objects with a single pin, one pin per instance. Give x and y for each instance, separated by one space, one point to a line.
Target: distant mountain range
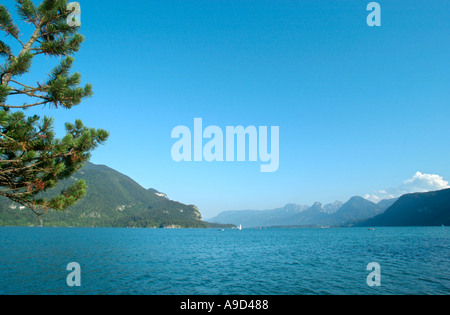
337 213
115 200
112 200
419 209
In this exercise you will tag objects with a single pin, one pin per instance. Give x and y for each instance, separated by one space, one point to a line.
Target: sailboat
240 227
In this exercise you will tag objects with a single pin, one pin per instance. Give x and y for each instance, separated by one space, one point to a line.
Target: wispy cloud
418 183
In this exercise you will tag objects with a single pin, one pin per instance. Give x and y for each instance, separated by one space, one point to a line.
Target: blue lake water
413 260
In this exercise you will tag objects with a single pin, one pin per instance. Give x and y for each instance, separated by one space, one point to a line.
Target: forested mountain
112 200
419 209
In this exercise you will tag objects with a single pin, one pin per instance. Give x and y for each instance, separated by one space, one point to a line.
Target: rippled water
214 262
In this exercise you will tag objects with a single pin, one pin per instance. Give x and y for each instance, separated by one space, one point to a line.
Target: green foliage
20 65
52 37
4 92
5 50
32 159
27 10
6 22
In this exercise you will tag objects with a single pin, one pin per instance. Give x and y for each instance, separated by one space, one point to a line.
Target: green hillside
112 200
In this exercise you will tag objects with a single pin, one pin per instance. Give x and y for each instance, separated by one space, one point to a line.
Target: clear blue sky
359 108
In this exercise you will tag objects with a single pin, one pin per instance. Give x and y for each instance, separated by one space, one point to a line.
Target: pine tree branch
30 205
34 161
30 93
13 35
7 25
26 13
23 106
21 84
26 48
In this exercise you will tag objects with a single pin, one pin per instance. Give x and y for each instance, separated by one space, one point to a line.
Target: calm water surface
214 262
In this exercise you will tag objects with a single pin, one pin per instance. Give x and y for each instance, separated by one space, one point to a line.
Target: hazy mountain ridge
289 215
115 200
252 218
431 208
356 209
